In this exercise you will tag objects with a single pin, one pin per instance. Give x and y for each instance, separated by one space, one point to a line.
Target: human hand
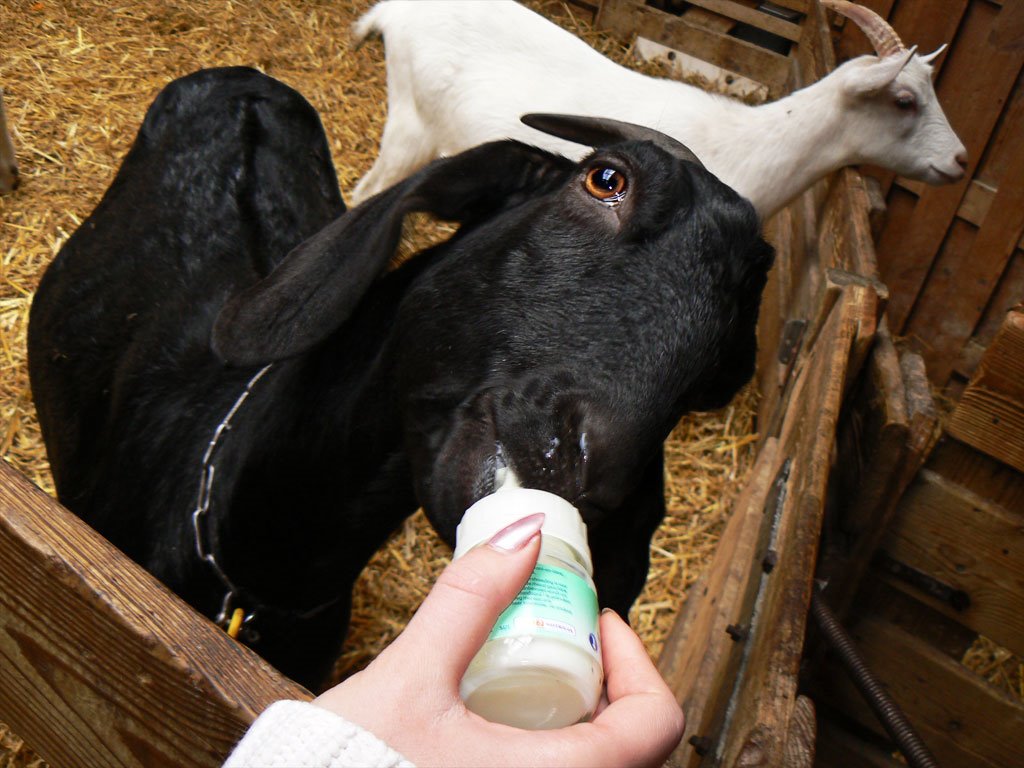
409 695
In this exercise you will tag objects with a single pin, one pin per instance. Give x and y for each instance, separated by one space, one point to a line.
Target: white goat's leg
405 147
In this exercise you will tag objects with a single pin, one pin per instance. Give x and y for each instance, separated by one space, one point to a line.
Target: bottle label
554 603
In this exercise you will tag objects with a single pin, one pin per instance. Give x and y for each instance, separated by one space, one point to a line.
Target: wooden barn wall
952 256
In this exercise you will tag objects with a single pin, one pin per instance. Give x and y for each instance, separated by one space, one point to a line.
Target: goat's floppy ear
319 283
879 73
601 131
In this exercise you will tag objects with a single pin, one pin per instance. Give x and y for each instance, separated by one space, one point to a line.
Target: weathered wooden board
750 15
837 747
964 721
890 426
976 82
102 665
628 17
1005 297
990 414
777 345
695 661
815 56
965 543
949 310
760 711
982 475
890 600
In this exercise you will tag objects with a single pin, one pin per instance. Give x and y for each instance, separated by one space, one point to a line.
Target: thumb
470 594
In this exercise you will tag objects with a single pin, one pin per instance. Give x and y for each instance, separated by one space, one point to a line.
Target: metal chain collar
204 548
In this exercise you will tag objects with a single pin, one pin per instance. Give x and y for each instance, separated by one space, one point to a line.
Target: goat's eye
606 184
905 100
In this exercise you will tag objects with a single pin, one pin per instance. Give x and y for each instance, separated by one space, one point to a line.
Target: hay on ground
78 77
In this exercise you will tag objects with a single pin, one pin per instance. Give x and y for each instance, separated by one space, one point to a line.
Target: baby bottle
541 664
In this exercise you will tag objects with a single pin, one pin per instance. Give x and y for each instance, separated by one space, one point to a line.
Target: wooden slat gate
734 654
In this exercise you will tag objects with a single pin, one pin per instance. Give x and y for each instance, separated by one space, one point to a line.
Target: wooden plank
588 8
815 54
877 209
798 750
845 243
761 708
794 5
990 414
964 721
771 321
809 329
975 83
950 307
873 442
838 747
899 205
711 21
965 543
974 206
733 10
890 426
1006 296
102 665
1008 31
625 18
698 660
889 600
998 154
969 358
804 282
929 25
980 474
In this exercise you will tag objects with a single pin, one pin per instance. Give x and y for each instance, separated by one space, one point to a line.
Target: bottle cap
506 505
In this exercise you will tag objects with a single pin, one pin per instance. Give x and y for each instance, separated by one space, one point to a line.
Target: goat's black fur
555 334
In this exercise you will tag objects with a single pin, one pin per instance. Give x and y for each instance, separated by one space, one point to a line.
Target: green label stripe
554 603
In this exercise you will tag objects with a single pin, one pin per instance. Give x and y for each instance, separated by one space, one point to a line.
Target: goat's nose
961 159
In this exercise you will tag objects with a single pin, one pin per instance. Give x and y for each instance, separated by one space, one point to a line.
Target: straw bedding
78 77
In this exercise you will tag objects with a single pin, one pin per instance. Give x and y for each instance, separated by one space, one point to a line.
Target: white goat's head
893 107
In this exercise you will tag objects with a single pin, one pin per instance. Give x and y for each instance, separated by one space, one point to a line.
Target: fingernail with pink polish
517 535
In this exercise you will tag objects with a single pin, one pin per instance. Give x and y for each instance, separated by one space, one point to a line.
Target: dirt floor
79 75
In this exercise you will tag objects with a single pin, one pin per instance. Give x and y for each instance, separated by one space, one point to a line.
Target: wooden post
696 660
760 713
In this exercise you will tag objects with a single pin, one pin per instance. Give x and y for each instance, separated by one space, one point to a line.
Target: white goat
8 161
461 73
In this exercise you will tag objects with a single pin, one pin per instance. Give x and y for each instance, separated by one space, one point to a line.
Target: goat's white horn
882 36
929 57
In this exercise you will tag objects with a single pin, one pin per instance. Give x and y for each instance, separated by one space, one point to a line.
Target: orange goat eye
606 184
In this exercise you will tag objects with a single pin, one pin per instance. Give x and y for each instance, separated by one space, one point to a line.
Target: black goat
578 313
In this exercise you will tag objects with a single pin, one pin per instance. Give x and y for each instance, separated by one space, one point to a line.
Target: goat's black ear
319 283
601 131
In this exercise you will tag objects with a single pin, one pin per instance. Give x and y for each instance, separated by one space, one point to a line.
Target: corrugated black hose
885 709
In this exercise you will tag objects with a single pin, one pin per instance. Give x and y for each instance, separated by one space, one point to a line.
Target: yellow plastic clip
236 623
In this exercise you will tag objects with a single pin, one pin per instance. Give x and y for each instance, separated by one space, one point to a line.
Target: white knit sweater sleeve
297 734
